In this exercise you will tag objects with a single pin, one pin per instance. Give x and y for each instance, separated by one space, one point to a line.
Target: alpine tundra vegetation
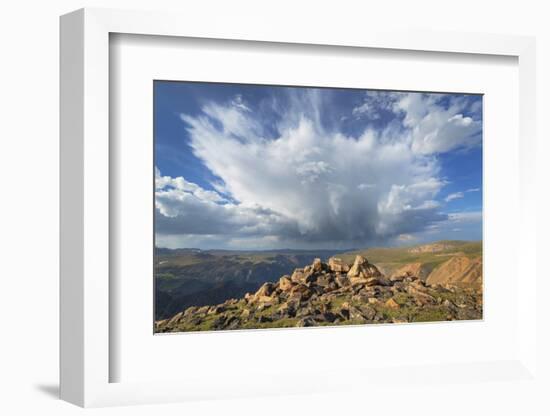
436 286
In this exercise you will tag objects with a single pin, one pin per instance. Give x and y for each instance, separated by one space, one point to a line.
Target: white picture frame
85 209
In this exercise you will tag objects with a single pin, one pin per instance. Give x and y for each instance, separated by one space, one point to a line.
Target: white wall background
29 204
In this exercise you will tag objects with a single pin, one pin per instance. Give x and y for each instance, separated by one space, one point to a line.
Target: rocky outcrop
458 271
362 272
335 293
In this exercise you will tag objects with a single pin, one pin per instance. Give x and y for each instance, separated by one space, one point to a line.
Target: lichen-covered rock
317 266
265 290
298 275
361 270
285 283
335 264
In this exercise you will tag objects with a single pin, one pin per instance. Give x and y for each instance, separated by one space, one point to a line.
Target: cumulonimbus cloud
313 184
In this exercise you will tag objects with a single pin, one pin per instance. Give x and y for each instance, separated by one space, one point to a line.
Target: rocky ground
334 293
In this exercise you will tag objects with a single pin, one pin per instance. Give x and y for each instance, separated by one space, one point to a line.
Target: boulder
335 264
190 311
265 290
219 323
232 323
324 280
311 278
285 284
372 281
307 321
422 298
448 304
342 280
360 298
317 265
362 270
304 311
382 281
398 287
344 313
392 304
358 287
216 309
297 275
175 319
368 312
355 313
160 323
325 317
266 299
202 310
287 310
301 292
262 307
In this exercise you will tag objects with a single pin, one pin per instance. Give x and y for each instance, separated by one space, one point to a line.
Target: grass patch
430 315
337 303
401 298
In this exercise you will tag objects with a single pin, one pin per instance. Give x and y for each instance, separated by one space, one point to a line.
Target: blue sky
248 166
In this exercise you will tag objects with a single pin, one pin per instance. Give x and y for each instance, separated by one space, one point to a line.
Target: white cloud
178 188
314 184
376 103
453 196
435 128
313 171
189 209
239 103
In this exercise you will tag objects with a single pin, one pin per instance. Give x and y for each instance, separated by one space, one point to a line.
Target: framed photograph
230 199
281 207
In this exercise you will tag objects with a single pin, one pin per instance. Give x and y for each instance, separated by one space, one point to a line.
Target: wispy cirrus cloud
453 196
459 195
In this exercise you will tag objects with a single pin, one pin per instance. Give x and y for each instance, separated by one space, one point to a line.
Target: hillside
333 293
458 271
194 277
